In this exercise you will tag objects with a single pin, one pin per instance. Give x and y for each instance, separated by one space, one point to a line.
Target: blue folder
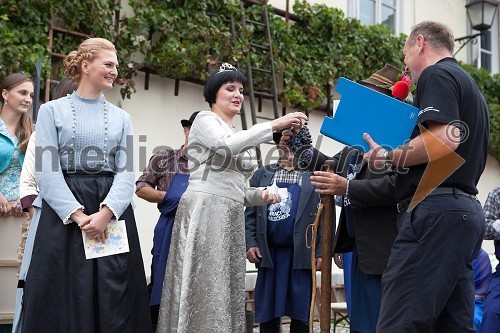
388 120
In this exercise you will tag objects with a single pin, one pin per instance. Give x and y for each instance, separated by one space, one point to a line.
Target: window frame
354 10
493 52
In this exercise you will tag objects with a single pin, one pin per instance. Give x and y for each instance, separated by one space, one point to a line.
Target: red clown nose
401 90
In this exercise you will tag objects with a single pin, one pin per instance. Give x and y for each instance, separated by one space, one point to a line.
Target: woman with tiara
204 286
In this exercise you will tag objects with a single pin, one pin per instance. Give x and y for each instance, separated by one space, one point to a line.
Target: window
376 11
367 12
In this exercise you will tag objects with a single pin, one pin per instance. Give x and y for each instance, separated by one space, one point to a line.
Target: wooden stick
328 224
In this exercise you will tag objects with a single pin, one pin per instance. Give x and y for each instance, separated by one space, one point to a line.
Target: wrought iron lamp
481 14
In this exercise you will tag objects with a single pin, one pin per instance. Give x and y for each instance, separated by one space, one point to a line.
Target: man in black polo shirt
428 285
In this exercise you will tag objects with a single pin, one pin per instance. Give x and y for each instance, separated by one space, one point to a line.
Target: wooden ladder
51 84
54 29
263 51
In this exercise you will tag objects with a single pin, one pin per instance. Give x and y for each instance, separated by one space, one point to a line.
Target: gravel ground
285 328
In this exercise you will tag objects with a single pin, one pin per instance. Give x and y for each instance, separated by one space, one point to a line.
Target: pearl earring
5 104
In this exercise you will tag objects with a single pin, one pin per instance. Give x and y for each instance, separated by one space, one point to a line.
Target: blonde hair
25 127
86 51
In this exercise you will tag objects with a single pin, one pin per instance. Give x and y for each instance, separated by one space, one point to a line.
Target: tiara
226 67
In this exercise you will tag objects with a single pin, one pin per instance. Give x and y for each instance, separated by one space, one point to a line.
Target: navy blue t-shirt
446 93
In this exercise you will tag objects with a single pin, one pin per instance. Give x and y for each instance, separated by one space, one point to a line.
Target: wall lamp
481 14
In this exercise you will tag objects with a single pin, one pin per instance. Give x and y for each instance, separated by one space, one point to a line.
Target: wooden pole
328 225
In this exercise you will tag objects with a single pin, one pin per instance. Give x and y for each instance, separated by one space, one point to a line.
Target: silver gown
204 282
204 286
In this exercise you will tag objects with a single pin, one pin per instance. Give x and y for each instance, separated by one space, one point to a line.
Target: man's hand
254 255
319 262
151 194
329 183
375 156
337 258
287 134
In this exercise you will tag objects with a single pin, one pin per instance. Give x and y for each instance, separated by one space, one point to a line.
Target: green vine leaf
184 39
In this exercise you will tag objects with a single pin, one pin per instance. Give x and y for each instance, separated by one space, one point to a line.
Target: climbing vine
184 39
489 86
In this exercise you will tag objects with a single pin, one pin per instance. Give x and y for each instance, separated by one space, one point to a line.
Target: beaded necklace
73 136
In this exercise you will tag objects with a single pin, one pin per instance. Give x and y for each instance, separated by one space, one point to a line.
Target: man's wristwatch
385 155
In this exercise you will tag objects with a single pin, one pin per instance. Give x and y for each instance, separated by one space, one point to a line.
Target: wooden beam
8 263
277 11
6 317
74 33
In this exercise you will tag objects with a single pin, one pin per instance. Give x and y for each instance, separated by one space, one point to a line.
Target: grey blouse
83 141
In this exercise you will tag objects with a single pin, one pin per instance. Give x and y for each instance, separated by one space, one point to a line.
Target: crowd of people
412 257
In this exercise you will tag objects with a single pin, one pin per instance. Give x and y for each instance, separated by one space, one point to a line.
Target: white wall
449 12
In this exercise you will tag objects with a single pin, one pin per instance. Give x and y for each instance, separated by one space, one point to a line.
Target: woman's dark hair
65 87
224 74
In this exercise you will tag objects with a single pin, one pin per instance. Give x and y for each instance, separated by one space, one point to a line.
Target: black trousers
428 285
274 326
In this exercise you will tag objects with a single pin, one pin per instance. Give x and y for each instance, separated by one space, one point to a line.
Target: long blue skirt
163 233
366 295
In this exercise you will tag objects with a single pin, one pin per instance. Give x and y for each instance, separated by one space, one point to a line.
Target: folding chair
339 309
339 306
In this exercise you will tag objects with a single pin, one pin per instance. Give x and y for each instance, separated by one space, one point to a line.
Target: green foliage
25 25
24 29
489 86
180 38
325 46
183 39
494 146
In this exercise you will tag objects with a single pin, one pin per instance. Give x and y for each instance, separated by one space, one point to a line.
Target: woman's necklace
73 136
